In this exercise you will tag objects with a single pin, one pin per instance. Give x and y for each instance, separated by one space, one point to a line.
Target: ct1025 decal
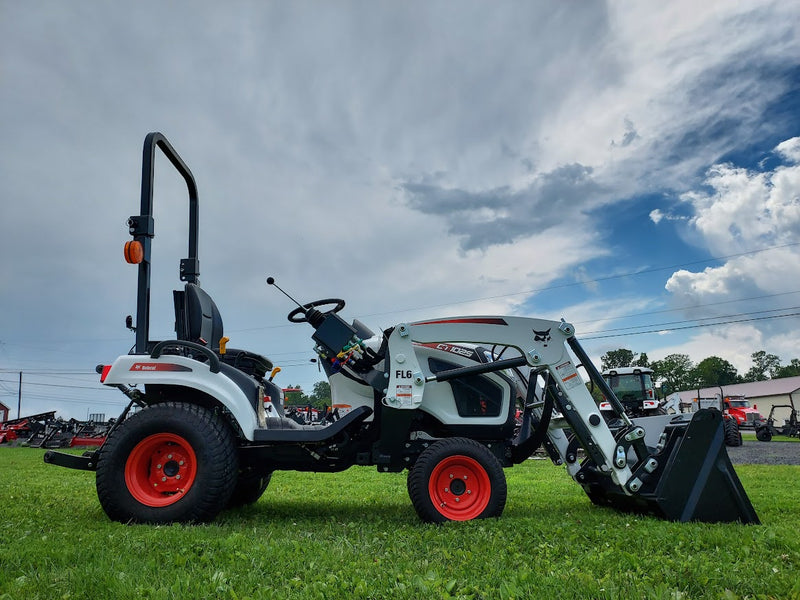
452 349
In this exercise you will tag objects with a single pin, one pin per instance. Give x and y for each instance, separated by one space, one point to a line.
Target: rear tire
170 462
249 488
457 479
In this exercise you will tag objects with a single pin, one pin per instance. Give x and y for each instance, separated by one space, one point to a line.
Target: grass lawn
355 535
751 437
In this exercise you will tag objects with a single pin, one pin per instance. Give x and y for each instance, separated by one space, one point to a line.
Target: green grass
355 535
750 436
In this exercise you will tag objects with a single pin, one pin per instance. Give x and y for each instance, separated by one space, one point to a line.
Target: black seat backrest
197 318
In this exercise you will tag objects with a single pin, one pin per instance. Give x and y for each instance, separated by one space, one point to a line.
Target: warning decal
404 395
568 375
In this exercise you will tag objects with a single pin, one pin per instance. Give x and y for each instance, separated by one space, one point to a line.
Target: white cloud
745 211
733 343
790 149
656 216
740 213
675 65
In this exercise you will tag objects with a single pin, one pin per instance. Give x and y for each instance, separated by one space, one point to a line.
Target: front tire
169 463
763 434
733 437
457 479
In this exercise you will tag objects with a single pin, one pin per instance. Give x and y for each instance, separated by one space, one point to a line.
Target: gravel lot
765 453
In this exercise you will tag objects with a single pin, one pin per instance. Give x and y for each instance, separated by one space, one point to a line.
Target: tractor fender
173 370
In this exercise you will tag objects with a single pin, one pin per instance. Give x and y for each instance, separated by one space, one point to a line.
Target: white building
763 395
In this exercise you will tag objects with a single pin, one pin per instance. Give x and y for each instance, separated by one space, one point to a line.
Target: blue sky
618 164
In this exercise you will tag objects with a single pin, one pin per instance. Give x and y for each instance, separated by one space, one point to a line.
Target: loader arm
682 473
543 345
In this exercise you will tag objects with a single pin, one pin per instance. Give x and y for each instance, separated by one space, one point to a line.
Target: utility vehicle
438 398
791 426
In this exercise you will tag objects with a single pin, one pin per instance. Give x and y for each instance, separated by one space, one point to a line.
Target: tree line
319 397
677 372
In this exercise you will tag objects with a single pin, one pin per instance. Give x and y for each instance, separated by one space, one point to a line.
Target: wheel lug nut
169 456
158 467
163 479
177 476
446 490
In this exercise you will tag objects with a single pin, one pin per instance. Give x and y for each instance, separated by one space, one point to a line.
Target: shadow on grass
396 512
292 512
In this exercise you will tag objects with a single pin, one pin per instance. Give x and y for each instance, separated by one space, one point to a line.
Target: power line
59 385
598 337
668 323
692 306
60 371
58 399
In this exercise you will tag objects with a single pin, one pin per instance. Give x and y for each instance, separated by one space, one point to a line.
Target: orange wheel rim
460 488
160 469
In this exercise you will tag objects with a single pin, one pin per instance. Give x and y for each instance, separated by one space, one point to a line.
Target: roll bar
142 228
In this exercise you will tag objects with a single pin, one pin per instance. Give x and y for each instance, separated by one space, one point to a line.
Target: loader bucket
694 480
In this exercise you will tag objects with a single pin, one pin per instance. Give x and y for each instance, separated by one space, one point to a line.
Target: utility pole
19 397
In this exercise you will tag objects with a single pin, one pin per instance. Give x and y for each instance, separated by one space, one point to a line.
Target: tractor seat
249 362
198 320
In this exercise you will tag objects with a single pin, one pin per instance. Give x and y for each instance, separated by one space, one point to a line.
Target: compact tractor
633 387
454 401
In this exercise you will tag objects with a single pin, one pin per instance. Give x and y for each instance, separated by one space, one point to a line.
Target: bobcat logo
542 336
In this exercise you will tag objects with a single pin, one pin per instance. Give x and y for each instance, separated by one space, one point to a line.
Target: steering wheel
298 315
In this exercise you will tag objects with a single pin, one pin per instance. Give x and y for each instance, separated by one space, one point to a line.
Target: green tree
642 361
675 372
714 371
790 370
764 366
614 359
321 394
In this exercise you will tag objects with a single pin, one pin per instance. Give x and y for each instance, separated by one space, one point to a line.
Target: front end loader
454 401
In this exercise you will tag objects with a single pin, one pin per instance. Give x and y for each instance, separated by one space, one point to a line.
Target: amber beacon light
134 252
